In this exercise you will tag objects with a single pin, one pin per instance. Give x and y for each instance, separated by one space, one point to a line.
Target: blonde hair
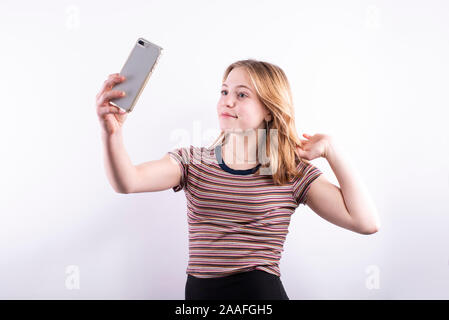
273 90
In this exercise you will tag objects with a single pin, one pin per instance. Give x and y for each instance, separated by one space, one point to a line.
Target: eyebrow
240 85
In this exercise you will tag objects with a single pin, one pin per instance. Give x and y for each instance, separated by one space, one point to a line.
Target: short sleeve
301 185
181 156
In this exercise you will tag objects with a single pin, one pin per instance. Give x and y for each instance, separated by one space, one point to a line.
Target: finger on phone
108 109
109 83
108 95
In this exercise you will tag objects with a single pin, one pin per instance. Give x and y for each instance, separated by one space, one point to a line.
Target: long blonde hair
273 90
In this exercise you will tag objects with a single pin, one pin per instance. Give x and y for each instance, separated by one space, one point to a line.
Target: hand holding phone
111 117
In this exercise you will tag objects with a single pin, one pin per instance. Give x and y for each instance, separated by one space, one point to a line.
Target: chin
224 125
227 128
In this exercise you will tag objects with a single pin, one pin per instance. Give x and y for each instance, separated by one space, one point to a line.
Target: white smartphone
137 70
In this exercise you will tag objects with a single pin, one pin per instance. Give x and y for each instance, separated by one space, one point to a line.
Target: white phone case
137 70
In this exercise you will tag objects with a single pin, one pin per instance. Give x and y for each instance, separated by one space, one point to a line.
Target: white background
374 74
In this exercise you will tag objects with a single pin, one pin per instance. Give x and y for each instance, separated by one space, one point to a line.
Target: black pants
249 285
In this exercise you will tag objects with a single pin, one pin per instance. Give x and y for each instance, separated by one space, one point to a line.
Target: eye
239 93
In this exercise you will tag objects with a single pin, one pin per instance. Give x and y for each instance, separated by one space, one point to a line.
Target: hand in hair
314 147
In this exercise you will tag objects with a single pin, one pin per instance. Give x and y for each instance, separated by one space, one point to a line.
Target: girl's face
238 98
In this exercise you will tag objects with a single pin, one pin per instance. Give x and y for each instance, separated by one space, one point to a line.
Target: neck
241 148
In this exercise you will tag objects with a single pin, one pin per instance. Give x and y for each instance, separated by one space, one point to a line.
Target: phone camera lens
141 42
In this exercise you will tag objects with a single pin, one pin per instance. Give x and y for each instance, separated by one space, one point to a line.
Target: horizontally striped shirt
237 220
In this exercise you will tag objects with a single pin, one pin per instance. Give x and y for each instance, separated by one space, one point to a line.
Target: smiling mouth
227 115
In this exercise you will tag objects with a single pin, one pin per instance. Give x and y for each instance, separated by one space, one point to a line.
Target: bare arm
150 176
353 191
124 177
348 206
119 169
156 175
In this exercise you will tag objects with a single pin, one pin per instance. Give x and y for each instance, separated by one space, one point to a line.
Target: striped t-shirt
237 220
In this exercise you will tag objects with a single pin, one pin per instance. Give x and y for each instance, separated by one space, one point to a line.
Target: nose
229 102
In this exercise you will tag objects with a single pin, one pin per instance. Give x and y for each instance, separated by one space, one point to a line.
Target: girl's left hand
314 147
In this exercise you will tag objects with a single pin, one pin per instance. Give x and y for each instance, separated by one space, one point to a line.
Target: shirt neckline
223 165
